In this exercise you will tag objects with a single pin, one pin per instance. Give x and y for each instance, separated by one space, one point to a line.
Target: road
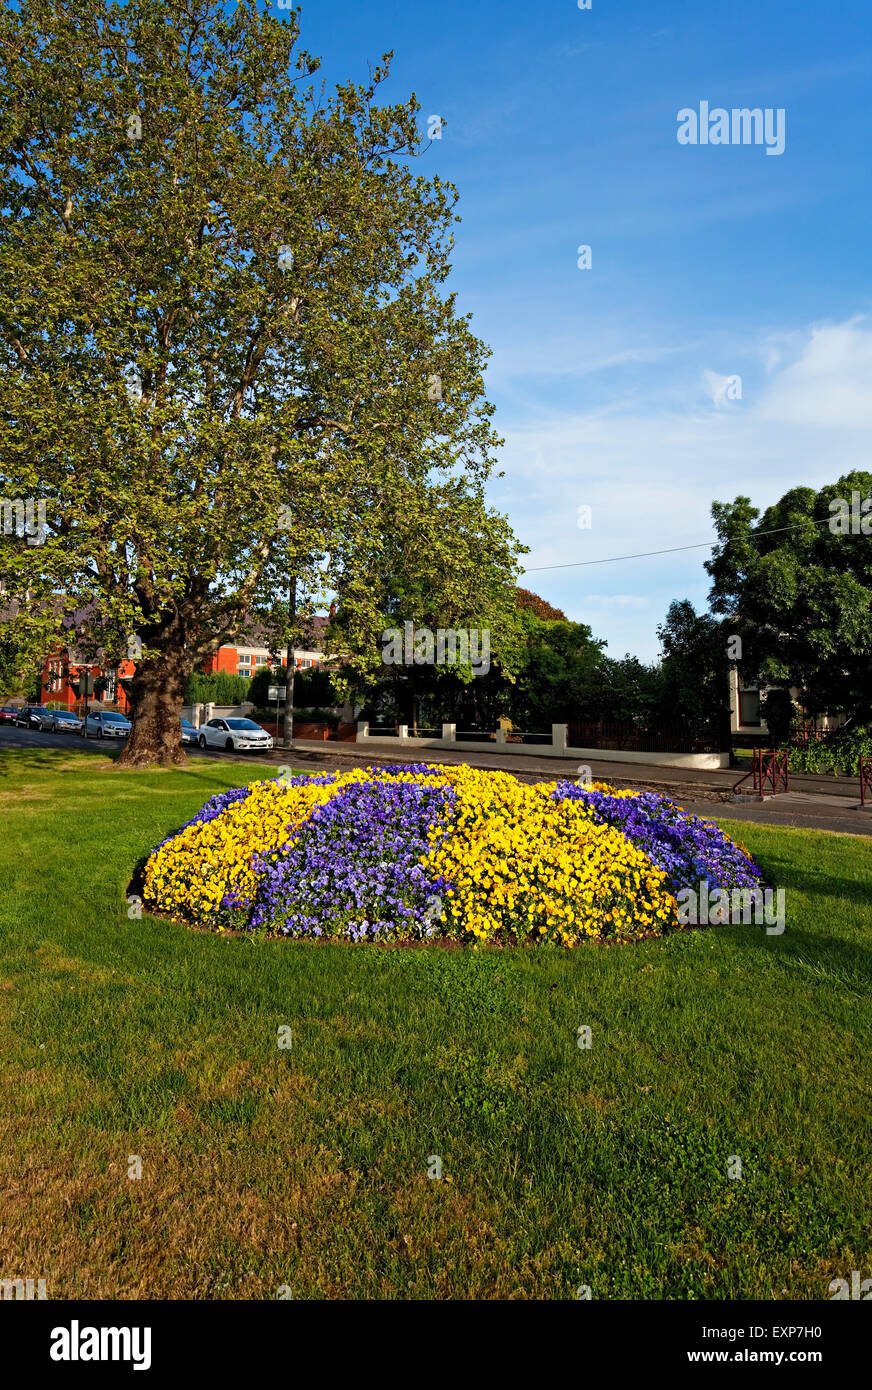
814 803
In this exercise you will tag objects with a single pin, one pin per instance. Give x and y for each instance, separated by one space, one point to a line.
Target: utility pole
289 680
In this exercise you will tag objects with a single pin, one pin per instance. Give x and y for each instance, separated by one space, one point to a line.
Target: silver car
234 734
105 723
64 721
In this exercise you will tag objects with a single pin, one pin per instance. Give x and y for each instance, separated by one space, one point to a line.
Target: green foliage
800 598
445 560
262 255
622 689
840 755
695 668
302 715
219 687
312 686
562 664
779 714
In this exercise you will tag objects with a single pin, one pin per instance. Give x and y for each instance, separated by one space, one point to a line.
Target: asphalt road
825 804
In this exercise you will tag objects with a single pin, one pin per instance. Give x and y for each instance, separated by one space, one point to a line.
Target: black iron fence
651 738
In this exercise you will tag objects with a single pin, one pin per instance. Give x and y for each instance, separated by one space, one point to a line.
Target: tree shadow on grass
787 872
60 759
812 956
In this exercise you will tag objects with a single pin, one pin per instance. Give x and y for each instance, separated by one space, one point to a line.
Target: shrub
839 756
216 687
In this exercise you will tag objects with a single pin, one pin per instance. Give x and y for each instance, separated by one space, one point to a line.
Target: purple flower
353 869
687 848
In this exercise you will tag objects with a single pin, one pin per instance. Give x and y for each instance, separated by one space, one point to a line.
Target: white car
234 734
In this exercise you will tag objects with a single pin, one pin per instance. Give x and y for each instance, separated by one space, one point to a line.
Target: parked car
105 723
234 734
64 721
33 717
189 733
9 713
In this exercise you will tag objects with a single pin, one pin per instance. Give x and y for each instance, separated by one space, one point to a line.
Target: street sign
278 692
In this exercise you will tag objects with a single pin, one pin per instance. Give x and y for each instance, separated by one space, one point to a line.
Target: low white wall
557 748
704 762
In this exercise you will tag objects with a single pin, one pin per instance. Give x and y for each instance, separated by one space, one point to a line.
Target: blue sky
707 262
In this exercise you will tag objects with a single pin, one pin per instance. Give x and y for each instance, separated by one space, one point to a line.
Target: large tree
795 583
226 342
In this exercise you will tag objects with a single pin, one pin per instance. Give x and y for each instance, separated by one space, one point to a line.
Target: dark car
33 717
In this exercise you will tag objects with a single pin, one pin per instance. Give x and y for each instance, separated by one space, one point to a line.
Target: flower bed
406 853
690 850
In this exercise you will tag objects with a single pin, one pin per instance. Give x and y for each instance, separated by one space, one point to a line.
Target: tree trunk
156 695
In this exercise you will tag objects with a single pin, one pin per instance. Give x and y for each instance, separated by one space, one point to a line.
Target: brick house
61 672
65 663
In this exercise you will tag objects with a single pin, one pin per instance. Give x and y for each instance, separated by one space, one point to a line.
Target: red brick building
61 673
64 665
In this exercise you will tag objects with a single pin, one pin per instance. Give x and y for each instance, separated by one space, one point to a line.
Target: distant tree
695 665
559 671
795 582
780 714
540 607
312 687
445 560
621 690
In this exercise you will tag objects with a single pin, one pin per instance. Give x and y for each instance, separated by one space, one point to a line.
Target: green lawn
307 1167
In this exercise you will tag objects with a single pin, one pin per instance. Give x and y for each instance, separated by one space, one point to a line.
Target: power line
671 550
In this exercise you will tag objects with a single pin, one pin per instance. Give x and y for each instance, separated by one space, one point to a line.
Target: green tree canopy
695 665
795 583
228 351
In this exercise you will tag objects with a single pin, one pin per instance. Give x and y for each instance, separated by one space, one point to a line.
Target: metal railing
651 738
770 771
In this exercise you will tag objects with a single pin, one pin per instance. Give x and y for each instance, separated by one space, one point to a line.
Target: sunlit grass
308 1166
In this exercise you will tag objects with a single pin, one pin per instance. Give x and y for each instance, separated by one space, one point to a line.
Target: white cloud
650 476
